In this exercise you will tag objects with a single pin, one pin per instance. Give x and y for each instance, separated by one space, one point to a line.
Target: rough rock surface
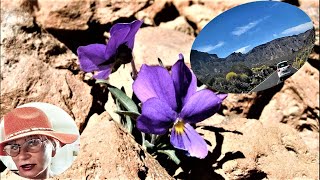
149 14
238 104
312 9
277 138
67 15
297 105
201 12
108 152
169 44
198 14
248 149
37 67
179 24
110 11
75 15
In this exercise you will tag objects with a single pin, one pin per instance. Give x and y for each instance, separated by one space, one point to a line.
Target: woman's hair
55 143
55 147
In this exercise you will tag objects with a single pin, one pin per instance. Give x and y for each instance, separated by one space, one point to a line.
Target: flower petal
200 106
91 56
190 141
222 96
129 37
155 81
104 73
122 33
116 39
184 80
156 117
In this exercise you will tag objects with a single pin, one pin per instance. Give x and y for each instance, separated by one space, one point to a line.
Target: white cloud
275 35
298 29
242 29
275 4
208 48
243 49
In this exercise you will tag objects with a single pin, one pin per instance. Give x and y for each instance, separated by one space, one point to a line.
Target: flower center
123 54
179 126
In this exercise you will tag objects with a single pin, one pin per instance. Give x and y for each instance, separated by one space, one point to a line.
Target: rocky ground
273 134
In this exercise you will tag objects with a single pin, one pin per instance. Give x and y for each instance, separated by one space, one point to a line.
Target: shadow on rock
315 62
100 97
263 98
194 168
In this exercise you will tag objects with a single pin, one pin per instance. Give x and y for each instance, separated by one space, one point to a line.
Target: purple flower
172 101
108 58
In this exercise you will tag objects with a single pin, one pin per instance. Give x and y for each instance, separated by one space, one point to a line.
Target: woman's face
33 164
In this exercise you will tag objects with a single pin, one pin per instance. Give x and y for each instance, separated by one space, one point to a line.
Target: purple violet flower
108 58
172 101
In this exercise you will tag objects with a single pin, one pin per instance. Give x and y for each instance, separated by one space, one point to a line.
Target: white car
283 69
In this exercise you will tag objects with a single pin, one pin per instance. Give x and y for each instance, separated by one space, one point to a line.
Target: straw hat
26 121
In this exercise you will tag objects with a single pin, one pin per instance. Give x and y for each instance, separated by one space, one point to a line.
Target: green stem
143 135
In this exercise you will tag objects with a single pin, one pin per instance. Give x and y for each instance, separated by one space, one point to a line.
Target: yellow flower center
179 127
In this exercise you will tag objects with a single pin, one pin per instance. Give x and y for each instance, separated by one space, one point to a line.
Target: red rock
169 44
37 67
67 15
110 11
108 152
179 24
297 103
251 149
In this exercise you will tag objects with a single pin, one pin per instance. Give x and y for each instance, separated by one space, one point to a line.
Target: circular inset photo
252 47
38 140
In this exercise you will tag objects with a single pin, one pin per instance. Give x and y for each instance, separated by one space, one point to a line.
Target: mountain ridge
271 51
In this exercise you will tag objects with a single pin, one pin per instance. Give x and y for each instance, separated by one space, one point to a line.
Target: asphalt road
271 81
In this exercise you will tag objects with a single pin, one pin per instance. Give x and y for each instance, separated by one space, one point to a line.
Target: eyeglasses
32 145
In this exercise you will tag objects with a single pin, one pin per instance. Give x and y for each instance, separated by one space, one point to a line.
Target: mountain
205 64
270 53
285 48
233 57
203 56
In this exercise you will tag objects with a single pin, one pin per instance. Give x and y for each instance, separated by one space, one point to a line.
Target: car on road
283 70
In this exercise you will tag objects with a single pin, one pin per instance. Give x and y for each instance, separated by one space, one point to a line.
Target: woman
31 141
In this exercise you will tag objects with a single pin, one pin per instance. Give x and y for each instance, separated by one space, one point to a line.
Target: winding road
271 81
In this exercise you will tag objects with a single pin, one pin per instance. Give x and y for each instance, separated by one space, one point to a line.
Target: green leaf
124 99
101 81
133 115
153 138
172 155
129 125
147 144
118 108
162 145
143 136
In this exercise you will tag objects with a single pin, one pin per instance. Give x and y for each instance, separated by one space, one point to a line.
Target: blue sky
246 26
